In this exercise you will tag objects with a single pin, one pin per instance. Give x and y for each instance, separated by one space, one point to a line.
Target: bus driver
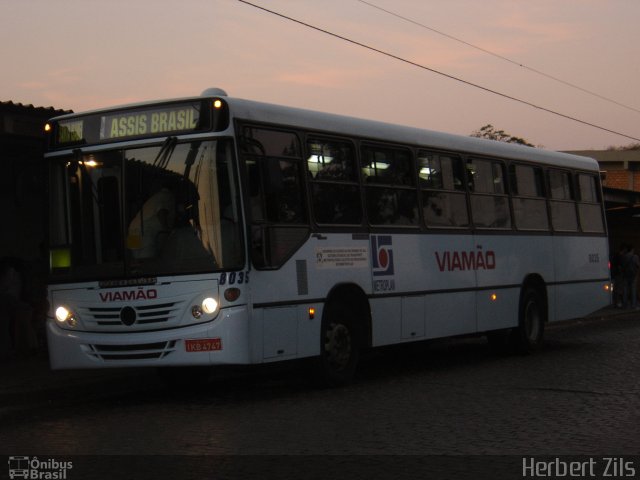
151 225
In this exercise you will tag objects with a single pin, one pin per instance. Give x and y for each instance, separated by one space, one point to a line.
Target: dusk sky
86 54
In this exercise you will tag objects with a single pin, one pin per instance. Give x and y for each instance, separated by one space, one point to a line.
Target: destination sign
151 121
70 131
156 121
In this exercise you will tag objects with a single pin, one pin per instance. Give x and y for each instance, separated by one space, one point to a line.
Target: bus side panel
413 317
447 282
506 260
309 330
450 314
280 332
282 297
386 321
289 332
581 264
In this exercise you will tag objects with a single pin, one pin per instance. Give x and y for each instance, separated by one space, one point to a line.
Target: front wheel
340 343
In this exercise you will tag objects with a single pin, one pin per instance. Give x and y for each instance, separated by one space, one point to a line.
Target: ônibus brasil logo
34 468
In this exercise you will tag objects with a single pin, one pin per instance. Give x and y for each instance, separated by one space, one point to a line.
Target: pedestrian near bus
617 262
16 328
630 268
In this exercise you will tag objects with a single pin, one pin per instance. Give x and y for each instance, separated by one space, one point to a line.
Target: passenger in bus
150 227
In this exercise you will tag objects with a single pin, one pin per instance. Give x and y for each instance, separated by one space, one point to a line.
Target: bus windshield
143 212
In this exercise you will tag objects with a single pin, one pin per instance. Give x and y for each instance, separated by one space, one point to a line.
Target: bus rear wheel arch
528 335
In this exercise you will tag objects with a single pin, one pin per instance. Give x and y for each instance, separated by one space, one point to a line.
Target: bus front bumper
223 341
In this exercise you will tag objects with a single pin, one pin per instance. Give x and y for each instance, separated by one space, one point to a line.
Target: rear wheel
533 314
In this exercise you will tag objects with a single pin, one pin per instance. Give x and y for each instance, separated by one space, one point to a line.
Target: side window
589 206
441 182
276 201
274 173
528 197
335 191
563 209
489 200
390 189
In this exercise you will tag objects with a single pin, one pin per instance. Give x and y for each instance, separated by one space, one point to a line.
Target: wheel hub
337 345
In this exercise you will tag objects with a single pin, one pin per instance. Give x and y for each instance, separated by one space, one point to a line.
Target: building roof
604 156
10 106
18 120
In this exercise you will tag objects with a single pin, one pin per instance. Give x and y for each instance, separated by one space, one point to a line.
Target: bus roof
375 130
342 125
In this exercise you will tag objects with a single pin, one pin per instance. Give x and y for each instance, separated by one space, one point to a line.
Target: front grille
132 352
160 314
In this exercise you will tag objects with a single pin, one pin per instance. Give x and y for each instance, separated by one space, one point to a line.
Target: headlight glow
209 305
62 314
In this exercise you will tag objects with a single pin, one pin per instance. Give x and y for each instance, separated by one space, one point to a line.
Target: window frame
473 194
553 201
395 187
456 192
313 182
541 197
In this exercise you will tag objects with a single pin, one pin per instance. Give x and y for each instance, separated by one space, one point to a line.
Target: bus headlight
209 306
64 315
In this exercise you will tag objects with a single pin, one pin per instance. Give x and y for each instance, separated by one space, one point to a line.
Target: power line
501 57
432 70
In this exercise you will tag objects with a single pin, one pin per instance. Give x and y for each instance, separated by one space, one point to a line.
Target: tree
489 132
631 146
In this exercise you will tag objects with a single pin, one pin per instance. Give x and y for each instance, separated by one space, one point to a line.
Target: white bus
217 231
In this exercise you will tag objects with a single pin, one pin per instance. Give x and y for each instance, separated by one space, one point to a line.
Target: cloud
528 28
331 78
32 85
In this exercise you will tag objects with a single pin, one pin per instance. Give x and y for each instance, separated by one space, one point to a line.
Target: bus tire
529 334
340 345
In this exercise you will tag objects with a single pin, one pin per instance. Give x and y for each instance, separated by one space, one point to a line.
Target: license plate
203 345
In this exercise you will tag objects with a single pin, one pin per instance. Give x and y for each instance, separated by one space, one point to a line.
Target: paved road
578 396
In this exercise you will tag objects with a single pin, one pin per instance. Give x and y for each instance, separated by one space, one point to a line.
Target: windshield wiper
165 152
79 163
